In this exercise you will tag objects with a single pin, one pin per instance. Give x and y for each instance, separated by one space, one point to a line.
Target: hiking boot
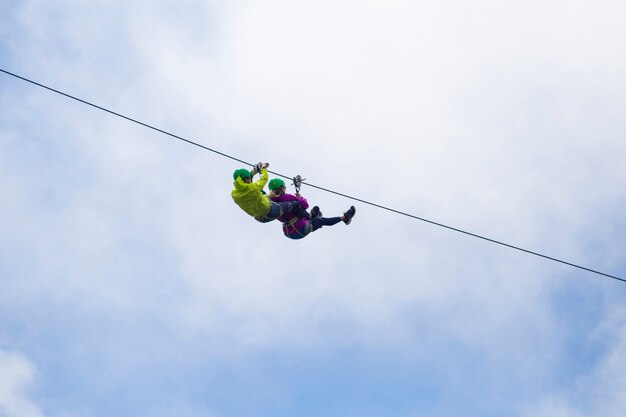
348 215
315 212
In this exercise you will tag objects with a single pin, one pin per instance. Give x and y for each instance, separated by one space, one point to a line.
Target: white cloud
16 378
381 88
496 121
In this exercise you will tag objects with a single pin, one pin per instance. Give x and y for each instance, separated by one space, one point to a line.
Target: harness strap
291 229
292 221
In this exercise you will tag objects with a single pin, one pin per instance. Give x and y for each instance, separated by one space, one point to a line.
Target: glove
256 169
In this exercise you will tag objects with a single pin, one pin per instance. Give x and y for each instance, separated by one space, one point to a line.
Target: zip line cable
315 186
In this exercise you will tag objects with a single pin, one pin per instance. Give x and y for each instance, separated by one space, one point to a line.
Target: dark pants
279 209
318 222
311 226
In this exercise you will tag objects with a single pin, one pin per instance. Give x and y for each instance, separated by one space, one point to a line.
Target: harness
291 230
289 226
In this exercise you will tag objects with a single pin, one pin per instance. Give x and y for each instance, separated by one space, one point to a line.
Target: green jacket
249 197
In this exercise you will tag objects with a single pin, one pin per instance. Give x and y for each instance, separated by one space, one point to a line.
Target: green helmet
276 183
243 173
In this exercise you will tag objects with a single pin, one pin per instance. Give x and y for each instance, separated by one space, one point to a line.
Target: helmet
276 183
243 173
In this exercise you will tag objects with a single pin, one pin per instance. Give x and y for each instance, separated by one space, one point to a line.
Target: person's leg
318 222
294 207
272 214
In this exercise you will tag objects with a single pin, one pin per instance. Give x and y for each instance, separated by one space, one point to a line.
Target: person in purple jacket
295 227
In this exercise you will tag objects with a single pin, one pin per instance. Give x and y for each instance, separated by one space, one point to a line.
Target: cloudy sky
131 285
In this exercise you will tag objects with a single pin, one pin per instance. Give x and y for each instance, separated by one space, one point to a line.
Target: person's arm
303 202
297 197
260 183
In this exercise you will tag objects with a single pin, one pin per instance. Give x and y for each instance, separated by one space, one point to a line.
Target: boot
348 215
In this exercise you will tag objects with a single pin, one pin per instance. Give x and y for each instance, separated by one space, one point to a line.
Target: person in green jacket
251 198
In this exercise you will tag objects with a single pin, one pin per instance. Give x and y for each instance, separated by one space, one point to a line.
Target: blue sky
131 285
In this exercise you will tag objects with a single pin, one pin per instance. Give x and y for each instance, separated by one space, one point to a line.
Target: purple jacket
287 217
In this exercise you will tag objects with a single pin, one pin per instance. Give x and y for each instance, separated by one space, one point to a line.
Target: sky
132 285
